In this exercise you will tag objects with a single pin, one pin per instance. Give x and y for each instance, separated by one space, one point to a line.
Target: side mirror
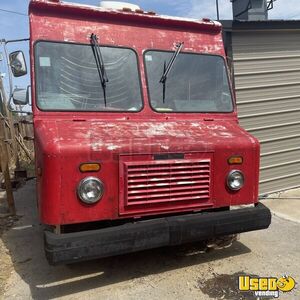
21 96
17 63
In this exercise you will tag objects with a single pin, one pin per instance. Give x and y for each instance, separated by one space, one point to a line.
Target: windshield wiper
100 64
167 68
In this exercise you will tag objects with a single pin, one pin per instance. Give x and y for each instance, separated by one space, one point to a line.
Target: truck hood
143 137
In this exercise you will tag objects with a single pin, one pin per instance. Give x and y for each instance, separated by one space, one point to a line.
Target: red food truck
137 139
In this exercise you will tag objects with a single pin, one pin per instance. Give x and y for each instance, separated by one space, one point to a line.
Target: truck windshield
67 78
196 83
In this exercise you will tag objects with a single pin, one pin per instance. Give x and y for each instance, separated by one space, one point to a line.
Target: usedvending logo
266 286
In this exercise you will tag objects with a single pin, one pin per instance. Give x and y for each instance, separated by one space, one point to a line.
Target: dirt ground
167 273
6 222
6 266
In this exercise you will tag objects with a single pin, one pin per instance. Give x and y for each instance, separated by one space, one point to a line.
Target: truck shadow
25 244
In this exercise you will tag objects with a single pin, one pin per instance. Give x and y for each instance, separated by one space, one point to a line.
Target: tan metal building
266 64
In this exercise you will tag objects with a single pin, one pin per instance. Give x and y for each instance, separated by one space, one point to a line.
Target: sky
14 26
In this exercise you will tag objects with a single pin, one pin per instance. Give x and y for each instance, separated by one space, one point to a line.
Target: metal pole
9 72
217 7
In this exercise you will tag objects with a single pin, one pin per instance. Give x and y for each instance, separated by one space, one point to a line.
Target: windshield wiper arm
100 64
167 68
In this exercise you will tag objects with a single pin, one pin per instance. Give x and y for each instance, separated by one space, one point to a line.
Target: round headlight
235 180
90 190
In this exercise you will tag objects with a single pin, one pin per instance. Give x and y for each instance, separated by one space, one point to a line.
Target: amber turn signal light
89 167
235 160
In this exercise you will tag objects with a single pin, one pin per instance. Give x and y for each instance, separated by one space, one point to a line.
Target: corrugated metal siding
267 79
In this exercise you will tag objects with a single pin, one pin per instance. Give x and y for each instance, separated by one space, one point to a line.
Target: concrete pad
285 204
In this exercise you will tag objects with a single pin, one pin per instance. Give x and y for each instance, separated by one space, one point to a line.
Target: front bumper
142 235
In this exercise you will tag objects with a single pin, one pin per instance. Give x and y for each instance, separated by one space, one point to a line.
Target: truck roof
124 15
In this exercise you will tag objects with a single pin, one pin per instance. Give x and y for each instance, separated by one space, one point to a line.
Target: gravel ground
167 273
